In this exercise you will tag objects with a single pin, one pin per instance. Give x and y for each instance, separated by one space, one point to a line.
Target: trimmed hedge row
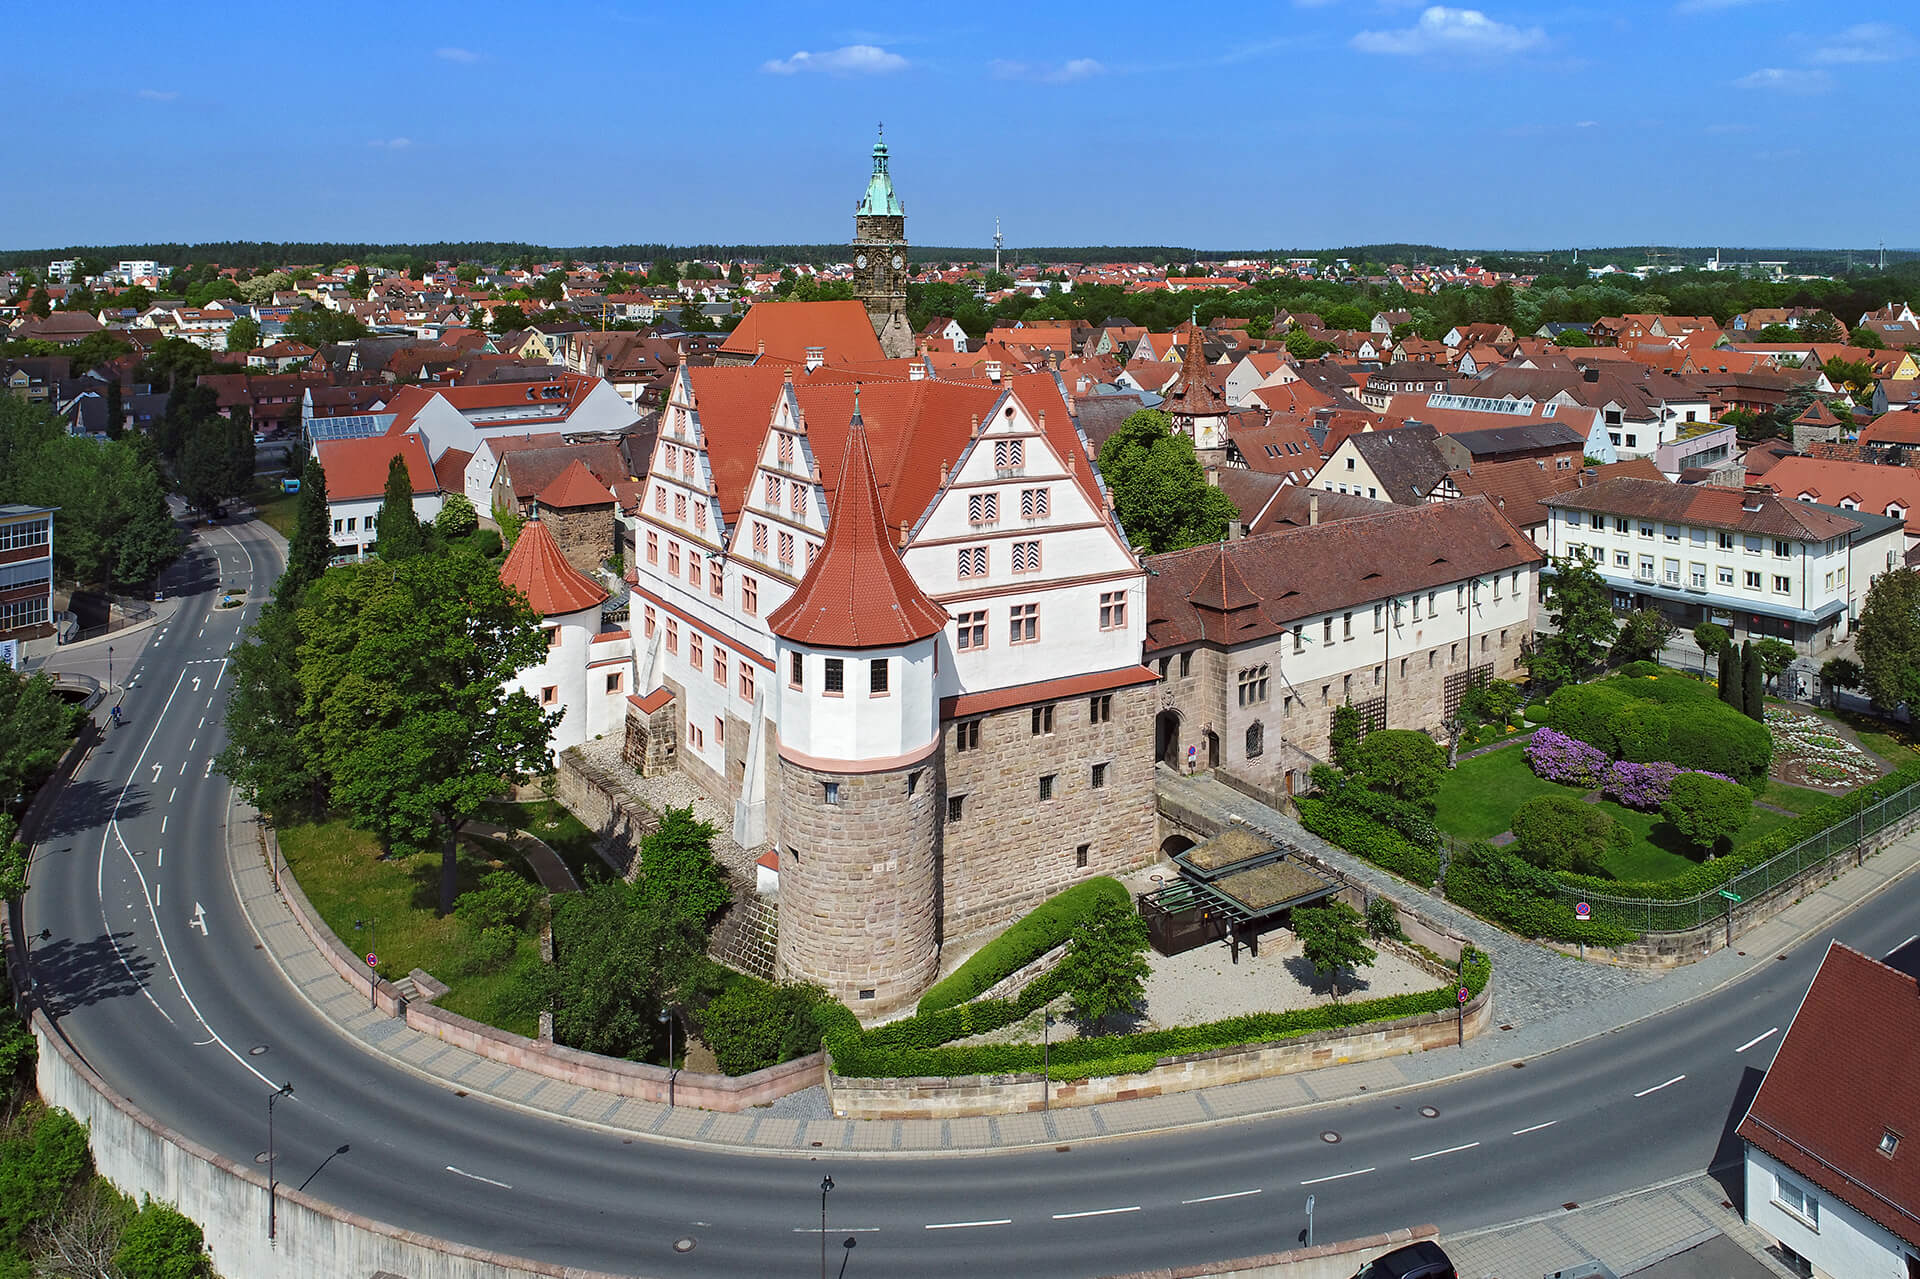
1706 876
1520 897
1031 936
1344 825
891 1052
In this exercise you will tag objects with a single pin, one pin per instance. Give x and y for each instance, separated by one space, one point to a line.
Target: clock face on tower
861 261
898 261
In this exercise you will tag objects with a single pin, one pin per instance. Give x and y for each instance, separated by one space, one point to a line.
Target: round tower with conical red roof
856 651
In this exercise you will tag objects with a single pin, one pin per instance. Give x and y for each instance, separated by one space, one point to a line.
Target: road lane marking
474 1176
183 767
1756 1039
156 895
202 723
1095 1212
1235 1194
221 673
1521 1132
1435 1154
208 773
1338 1176
199 919
837 1230
163 823
171 794
190 745
968 1225
159 857
1657 1087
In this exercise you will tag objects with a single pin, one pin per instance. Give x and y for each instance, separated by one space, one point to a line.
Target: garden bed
1808 752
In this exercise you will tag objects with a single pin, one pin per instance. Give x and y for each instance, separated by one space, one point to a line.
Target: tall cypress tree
401 536
116 411
310 549
1729 673
1754 697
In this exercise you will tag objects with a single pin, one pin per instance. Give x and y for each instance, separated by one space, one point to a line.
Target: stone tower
880 258
859 759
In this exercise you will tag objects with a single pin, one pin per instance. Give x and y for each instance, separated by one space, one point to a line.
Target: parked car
1423 1260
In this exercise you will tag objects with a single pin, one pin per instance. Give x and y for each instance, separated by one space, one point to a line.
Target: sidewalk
1609 998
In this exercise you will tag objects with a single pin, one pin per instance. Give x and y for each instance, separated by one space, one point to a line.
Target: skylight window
1889 1142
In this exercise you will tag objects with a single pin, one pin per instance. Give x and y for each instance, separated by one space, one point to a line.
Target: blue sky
1229 125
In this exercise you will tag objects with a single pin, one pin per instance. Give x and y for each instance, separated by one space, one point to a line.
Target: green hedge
1343 824
1537 713
1667 717
1031 936
1707 876
1503 889
894 1051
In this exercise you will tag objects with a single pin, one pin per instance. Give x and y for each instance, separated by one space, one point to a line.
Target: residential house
1892 491
1399 465
801 334
1830 1165
1256 643
1758 563
26 571
357 484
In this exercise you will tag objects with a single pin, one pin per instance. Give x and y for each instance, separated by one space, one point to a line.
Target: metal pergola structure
1234 885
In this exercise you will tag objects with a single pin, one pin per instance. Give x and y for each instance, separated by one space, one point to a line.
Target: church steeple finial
880 198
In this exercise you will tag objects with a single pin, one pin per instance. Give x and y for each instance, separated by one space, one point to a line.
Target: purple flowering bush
1560 758
1646 786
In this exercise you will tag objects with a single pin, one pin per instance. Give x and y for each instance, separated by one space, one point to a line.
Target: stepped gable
537 569
857 594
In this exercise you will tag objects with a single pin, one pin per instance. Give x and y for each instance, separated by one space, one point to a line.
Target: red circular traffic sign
373 960
1582 911
1463 994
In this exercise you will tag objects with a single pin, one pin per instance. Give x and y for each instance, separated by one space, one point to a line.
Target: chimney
1213 477
943 470
762 347
1043 421
786 375
975 428
1313 509
993 370
916 372
1084 384
816 356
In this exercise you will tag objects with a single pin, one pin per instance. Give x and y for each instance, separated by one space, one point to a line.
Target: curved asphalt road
155 977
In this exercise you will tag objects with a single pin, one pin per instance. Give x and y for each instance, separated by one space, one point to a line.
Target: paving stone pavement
1534 983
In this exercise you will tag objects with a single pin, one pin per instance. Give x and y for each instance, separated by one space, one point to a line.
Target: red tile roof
1862 484
575 486
789 328
358 468
858 593
995 699
1842 1080
451 470
1707 505
536 568
1892 428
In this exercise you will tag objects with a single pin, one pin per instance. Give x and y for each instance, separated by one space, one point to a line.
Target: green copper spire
880 198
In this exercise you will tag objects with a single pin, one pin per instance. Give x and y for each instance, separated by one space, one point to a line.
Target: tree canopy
113 526
1579 603
1162 497
1888 639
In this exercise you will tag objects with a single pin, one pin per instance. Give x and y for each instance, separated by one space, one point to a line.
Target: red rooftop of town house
358 468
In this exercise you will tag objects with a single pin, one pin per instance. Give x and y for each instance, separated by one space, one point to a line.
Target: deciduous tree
1579 603
1707 811
1560 832
1105 968
1643 633
1402 762
1162 496
1333 938
1888 639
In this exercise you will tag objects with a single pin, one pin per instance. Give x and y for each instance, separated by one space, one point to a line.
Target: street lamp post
1046 1062
1309 1221
273 1186
673 1071
109 668
373 950
826 1184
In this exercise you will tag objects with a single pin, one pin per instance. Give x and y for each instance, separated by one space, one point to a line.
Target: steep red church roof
857 594
1195 396
536 568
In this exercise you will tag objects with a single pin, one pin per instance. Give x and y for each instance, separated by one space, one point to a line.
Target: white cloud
1067 72
1587 124
1785 80
158 95
852 59
452 53
1867 42
1457 31
391 144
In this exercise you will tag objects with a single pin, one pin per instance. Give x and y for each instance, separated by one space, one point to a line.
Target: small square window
877 677
1100 708
550 695
836 676
1099 778
1042 721
1046 786
830 792
1889 1142
613 682
966 735
956 804
866 992
1080 855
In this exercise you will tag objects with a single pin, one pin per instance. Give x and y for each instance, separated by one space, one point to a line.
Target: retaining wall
315 1240
554 1061
960 1096
1322 1261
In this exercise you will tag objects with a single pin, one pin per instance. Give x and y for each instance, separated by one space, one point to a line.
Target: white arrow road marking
156 773
209 772
199 919
196 683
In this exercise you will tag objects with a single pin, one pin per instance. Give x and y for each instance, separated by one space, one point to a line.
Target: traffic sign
1730 896
1582 911
1463 994
373 960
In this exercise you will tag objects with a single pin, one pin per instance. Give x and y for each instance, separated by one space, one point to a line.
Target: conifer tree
401 536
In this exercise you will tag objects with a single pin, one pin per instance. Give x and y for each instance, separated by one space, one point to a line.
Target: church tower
880 258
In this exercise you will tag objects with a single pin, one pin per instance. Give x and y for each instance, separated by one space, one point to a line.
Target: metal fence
1647 915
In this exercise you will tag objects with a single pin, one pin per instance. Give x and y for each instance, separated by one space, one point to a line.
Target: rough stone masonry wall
583 533
857 883
1009 851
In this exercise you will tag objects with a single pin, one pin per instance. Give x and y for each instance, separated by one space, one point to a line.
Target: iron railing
1847 836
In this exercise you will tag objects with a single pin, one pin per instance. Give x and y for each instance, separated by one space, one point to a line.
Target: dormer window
1889 1142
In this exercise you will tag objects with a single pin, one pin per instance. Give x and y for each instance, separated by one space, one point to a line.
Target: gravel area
1205 985
808 1103
1532 983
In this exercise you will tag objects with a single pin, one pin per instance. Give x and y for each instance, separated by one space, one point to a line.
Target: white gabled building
986 505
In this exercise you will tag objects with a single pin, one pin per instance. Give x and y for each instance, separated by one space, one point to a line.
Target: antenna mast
998 241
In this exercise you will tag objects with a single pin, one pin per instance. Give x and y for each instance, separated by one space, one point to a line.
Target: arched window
1256 739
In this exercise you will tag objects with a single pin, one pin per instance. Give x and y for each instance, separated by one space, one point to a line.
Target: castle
895 624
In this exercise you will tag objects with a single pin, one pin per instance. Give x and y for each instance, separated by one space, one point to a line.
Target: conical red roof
536 568
1195 396
857 594
576 486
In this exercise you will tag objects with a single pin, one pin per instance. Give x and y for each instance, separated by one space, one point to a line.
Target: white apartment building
1759 564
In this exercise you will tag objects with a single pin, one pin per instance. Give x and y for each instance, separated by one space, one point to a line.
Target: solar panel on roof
358 426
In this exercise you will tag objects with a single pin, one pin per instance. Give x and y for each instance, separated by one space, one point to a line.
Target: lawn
1796 799
340 870
277 510
1477 799
553 824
